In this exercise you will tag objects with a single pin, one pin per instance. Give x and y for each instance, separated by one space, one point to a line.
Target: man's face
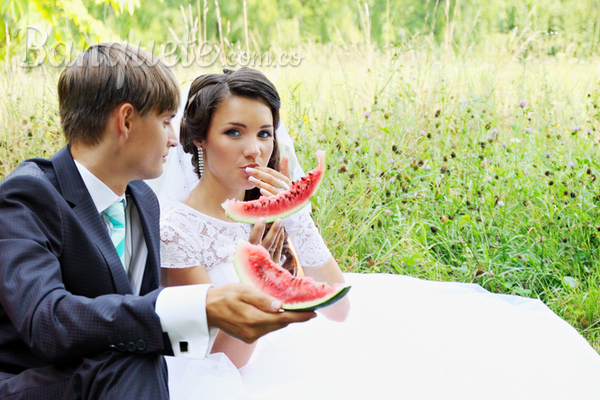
151 136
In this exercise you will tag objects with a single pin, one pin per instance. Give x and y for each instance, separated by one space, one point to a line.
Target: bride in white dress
404 338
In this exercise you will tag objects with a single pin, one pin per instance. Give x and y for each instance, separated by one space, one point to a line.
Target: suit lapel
74 191
148 210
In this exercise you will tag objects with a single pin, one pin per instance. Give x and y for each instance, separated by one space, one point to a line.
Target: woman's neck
208 196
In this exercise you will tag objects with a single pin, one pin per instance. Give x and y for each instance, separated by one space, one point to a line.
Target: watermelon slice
282 205
254 266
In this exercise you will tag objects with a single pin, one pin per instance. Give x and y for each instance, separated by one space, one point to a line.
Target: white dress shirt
181 309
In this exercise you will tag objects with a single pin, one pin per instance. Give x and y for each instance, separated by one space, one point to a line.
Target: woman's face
240 136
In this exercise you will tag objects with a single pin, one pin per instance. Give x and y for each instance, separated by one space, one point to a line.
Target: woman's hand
269 181
273 240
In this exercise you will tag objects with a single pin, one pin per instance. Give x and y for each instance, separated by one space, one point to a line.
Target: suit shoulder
35 176
35 169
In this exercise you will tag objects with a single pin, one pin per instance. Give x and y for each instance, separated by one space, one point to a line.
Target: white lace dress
190 239
405 338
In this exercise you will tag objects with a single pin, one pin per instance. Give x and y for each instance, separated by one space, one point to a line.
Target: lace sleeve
310 247
175 250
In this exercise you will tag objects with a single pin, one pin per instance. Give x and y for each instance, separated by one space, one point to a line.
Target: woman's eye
232 133
264 134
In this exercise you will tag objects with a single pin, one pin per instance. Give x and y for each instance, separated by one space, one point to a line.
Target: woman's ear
198 143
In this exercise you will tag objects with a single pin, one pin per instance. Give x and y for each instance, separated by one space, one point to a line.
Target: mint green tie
115 217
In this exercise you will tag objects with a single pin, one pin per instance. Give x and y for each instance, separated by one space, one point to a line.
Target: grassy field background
478 165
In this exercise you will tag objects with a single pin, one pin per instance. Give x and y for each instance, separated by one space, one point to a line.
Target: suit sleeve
54 323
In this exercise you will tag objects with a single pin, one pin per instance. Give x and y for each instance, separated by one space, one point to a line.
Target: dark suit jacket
64 294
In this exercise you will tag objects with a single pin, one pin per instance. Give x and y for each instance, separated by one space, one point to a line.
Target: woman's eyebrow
244 126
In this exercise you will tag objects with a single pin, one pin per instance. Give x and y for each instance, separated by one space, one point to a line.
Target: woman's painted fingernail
264 192
285 185
250 170
253 179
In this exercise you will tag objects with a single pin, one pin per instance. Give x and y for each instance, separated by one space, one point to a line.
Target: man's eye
232 133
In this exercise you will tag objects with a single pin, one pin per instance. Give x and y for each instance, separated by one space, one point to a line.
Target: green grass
434 169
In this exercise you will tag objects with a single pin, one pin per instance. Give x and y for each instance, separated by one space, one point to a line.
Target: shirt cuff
182 313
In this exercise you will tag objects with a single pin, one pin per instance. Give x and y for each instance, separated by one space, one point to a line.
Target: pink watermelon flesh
282 205
254 266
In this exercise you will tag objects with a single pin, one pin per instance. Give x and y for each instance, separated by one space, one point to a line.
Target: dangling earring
200 161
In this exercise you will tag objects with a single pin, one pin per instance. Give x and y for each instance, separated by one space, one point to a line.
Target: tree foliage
287 23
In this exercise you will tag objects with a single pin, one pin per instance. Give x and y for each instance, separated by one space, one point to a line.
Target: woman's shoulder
182 215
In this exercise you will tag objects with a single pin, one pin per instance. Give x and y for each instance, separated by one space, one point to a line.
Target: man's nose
172 140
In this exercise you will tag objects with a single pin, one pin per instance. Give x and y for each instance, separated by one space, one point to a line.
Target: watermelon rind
336 296
232 206
242 267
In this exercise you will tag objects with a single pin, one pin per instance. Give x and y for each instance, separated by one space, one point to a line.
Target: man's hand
247 314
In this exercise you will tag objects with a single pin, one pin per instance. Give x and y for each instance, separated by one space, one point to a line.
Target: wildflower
504 144
367 115
48 134
392 161
490 139
351 176
488 178
387 212
342 169
547 155
571 165
322 138
494 131
422 133
444 219
366 135
392 179
526 172
484 163
341 160
589 132
528 130
523 103
428 167
500 203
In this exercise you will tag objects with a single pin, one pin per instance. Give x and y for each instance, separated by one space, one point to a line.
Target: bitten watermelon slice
282 205
254 266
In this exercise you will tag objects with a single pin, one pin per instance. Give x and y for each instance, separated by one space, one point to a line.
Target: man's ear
124 115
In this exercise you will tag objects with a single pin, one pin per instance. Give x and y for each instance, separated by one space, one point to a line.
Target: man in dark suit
81 314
